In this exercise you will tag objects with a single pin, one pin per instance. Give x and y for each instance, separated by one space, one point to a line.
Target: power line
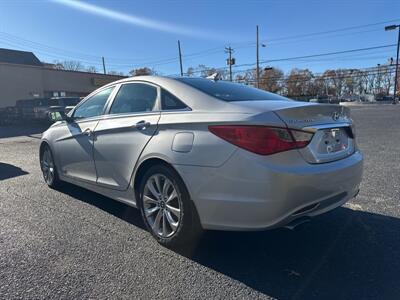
271 41
335 30
307 56
324 54
347 73
93 59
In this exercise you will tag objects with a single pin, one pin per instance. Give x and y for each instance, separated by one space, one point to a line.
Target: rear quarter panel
207 150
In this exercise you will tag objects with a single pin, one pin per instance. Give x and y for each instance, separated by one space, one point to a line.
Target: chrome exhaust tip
297 222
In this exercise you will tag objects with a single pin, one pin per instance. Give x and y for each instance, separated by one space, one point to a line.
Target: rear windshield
229 91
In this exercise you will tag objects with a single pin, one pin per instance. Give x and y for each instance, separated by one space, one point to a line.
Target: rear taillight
262 139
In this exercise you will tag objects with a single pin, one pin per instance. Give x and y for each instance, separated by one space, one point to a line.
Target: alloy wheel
47 166
162 205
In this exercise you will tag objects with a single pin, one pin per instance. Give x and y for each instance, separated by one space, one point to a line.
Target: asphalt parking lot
74 243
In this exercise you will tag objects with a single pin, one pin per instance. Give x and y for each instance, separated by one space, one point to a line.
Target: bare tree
70 65
205 71
360 82
299 82
247 77
350 82
142 71
190 71
272 80
371 79
91 69
387 81
57 65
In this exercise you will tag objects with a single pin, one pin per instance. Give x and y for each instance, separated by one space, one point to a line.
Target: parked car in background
9 115
41 112
194 153
387 98
27 108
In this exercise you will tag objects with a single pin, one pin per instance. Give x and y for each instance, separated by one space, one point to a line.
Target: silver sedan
196 154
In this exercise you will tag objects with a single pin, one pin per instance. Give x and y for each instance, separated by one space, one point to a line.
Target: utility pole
180 57
258 61
230 61
104 65
379 79
396 79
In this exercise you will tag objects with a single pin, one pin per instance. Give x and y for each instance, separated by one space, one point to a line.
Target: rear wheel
49 168
167 210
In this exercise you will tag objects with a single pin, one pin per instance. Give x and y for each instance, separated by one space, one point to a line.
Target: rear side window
229 91
170 102
134 97
93 106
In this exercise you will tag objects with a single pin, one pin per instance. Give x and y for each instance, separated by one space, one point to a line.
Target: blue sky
145 33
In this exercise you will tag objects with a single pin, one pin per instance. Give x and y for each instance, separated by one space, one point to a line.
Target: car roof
192 97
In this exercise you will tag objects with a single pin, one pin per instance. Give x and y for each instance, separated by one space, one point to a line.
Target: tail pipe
293 224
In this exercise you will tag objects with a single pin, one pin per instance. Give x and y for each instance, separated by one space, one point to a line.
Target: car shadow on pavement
344 254
117 209
9 171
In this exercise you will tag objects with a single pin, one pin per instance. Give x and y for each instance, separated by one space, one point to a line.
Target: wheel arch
145 165
43 144
152 161
148 163
46 143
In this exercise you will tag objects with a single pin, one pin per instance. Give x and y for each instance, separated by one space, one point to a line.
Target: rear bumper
251 193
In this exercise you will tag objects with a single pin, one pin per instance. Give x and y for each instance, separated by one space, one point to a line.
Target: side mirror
68 119
56 116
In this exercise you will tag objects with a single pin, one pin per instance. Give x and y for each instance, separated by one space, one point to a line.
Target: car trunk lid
333 135
332 127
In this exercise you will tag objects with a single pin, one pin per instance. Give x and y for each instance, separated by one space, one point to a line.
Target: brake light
262 139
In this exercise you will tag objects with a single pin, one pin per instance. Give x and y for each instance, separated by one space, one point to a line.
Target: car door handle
142 125
87 132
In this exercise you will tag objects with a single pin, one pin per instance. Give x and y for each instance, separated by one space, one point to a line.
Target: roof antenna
215 76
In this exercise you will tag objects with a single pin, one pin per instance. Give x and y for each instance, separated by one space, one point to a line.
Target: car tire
178 225
49 169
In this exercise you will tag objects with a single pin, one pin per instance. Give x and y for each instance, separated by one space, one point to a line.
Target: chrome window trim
156 104
187 108
158 86
94 93
180 110
111 98
130 114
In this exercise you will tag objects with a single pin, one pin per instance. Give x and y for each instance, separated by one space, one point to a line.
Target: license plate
334 140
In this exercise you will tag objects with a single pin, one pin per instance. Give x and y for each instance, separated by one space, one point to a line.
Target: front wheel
49 168
167 210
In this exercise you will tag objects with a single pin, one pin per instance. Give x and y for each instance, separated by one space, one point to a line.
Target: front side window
93 106
134 97
170 102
